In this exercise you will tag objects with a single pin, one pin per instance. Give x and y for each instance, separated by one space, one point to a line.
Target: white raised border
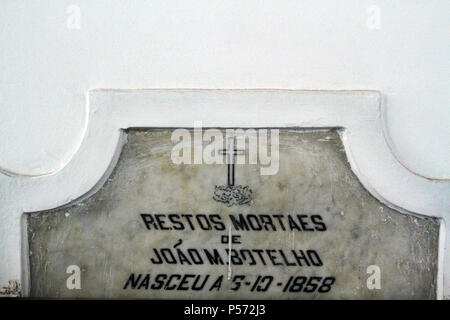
358 113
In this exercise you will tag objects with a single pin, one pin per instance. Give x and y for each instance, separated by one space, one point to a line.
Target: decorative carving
233 195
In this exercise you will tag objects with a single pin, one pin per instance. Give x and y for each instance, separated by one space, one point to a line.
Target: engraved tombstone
292 222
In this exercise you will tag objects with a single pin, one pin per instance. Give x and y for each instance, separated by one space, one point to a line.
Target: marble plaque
159 230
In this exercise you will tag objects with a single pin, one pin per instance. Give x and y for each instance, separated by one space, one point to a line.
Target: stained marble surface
145 207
